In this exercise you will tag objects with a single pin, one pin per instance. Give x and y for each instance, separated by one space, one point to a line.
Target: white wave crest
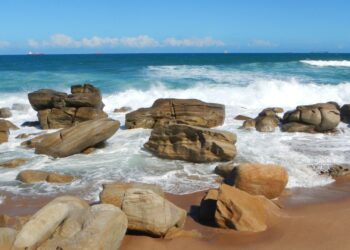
327 63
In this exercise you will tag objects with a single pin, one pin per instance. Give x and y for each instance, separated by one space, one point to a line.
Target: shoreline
309 218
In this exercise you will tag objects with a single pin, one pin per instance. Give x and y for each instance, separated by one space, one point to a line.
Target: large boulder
99 227
75 139
44 223
183 111
259 179
60 110
320 117
189 143
345 113
236 209
150 213
113 193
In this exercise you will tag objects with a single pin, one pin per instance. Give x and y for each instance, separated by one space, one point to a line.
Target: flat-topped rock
183 111
75 139
61 110
193 144
320 117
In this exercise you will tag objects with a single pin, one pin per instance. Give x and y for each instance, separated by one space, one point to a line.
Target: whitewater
245 88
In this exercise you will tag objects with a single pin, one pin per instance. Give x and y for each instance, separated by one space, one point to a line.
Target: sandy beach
309 218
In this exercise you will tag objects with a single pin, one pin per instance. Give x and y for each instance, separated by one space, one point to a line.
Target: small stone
14 163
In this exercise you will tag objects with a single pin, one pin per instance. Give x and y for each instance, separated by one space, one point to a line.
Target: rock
242 118
150 213
175 232
89 150
236 209
324 117
5 127
259 179
345 113
75 139
33 176
208 207
113 193
60 110
182 111
59 178
293 127
5 113
338 170
44 223
7 237
102 227
14 163
122 110
249 124
266 124
191 143
20 107
25 136
9 125
30 124
224 169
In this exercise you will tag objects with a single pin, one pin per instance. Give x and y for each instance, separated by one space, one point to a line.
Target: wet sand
314 218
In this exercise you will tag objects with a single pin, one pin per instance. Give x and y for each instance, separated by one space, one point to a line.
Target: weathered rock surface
5 113
266 121
236 209
176 232
122 110
75 139
191 143
208 206
5 127
150 213
345 113
113 193
182 111
242 118
14 163
60 110
33 176
259 179
321 117
7 237
101 227
225 169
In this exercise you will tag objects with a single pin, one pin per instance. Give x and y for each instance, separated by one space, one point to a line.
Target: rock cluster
145 207
266 121
75 139
61 110
190 143
182 111
321 117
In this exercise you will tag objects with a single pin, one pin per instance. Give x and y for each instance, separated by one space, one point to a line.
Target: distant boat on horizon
30 53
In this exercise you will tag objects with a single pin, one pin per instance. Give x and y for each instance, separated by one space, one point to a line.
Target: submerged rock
60 110
75 139
191 143
321 117
183 111
14 163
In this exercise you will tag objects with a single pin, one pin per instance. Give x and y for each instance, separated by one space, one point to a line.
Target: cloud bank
142 41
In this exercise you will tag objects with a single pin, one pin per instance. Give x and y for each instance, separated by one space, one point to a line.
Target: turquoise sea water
245 83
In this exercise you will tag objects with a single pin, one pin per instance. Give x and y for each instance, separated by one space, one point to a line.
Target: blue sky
87 26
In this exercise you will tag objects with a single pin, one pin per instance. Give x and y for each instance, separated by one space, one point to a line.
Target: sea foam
327 63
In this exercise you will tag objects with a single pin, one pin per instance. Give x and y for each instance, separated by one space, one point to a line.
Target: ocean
245 83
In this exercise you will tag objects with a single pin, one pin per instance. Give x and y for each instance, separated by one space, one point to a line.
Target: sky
160 26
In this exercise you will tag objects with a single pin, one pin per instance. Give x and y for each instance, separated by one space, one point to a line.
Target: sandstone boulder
345 113
5 113
7 237
150 213
75 139
236 209
44 223
182 111
191 143
33 176
14 163
208 206
259 179
60 110
99 227
113 193
321 117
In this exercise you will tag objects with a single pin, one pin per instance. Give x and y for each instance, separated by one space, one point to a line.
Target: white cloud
262 43
142 41
192 42
4 44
